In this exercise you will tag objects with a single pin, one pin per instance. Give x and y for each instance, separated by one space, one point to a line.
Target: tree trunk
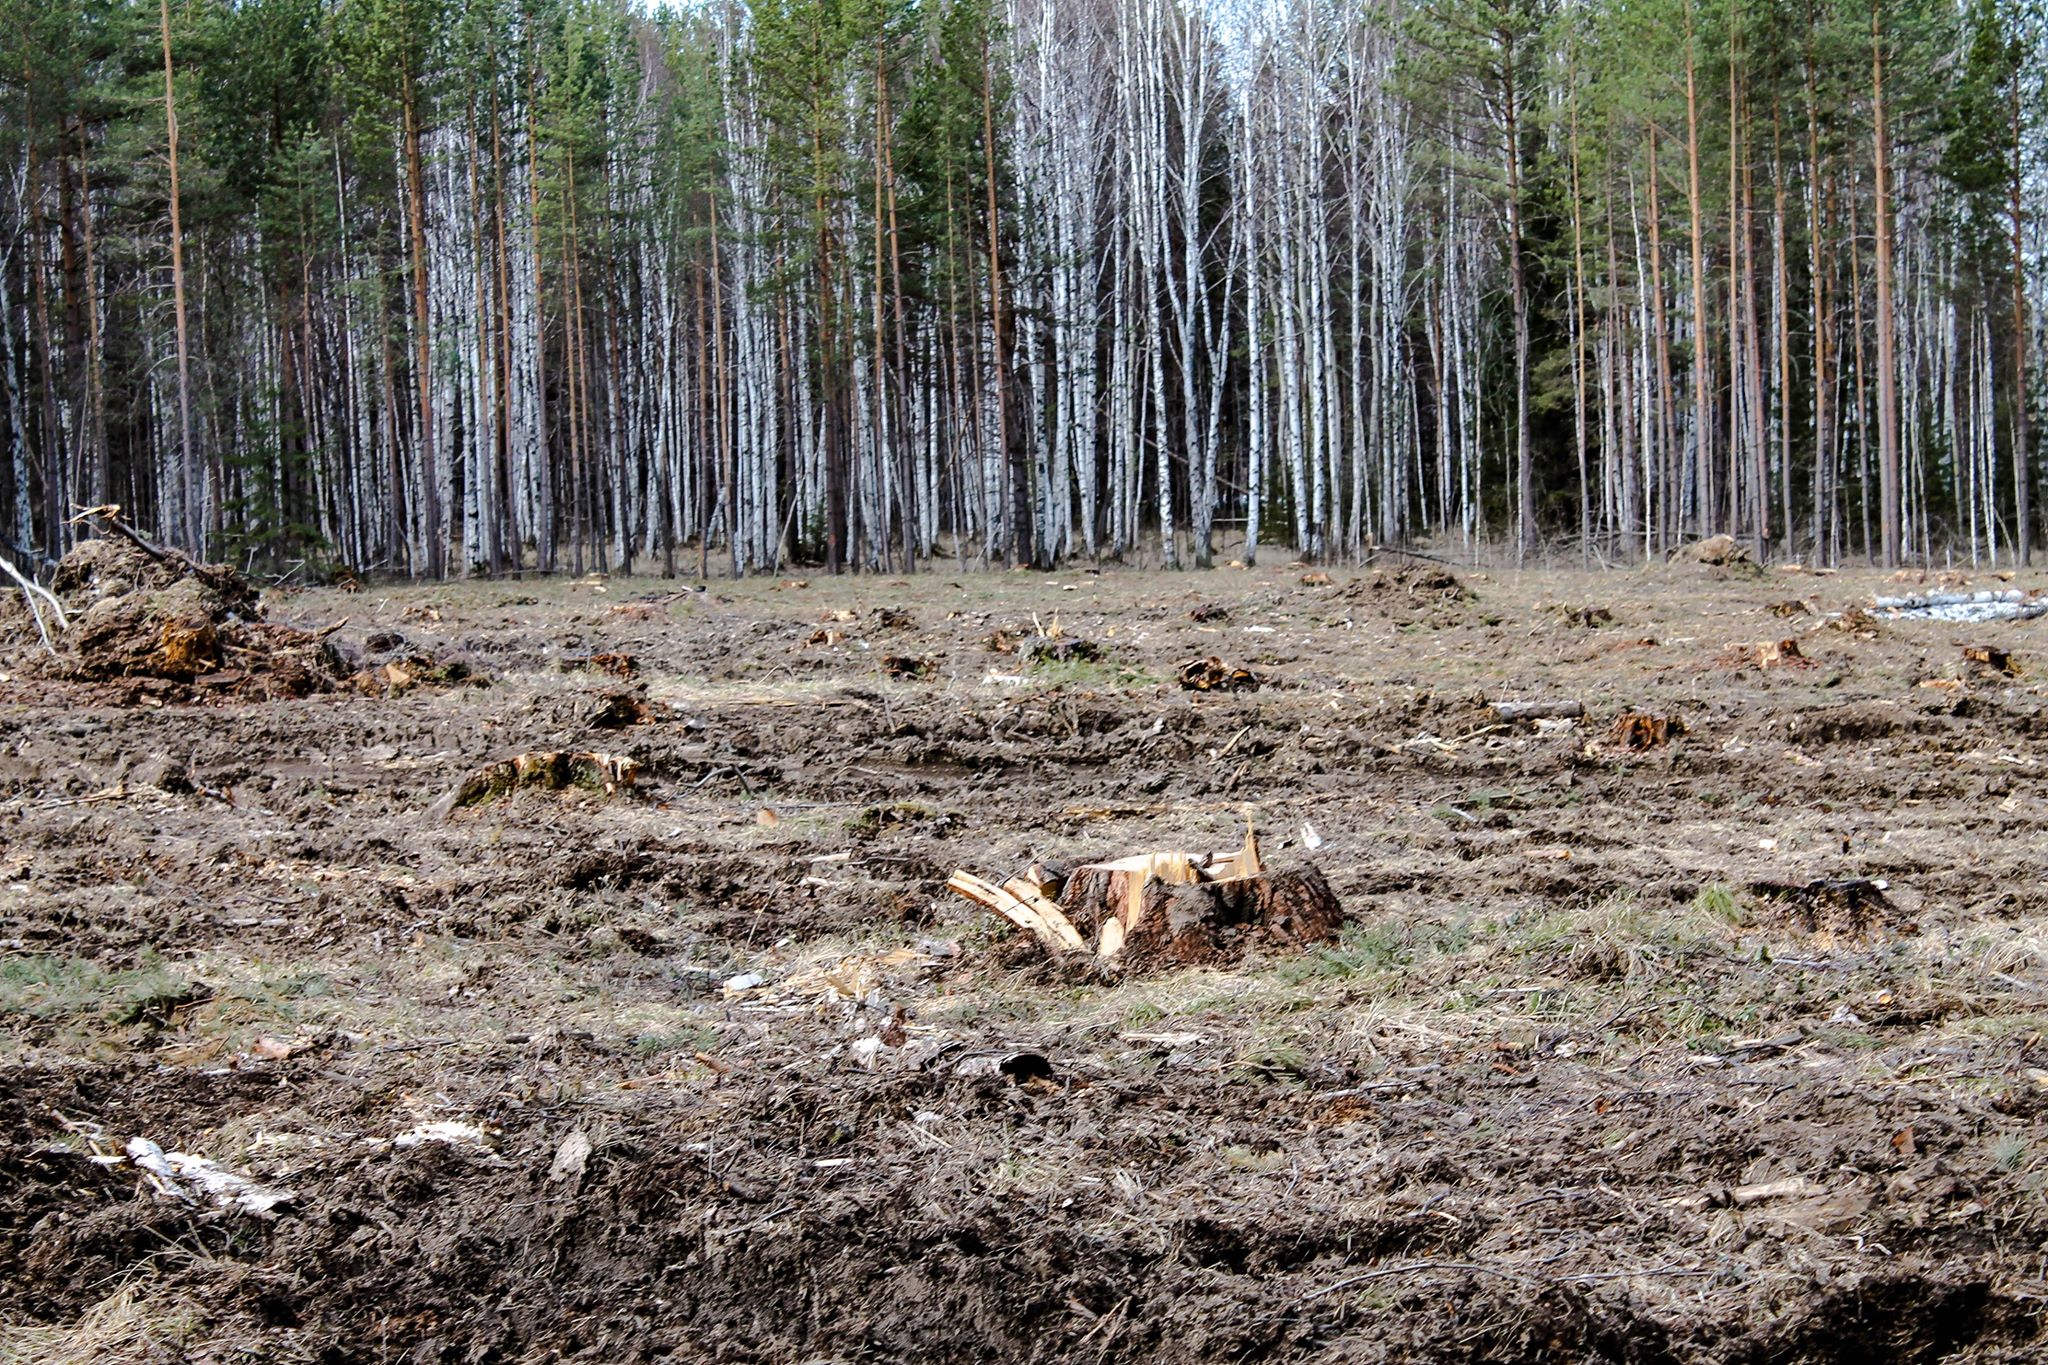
192 537
1887 361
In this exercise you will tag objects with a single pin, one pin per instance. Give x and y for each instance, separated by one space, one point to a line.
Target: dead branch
30 590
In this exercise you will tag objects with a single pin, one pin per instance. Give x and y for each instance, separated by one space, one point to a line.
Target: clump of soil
1833 908
1721 557
182 628
1411 596
550 770
910 667
1857 623
1718 551
1765 654
389 664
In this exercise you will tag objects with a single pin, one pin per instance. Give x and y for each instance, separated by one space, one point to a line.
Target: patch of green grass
1718 901
1273 1054
46 987
291 985
1360 948
2001 1026
1089 673
2008 1150
1369 949
1143 1013
692 1038
874 820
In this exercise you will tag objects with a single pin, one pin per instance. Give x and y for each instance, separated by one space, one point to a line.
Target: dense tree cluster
446 286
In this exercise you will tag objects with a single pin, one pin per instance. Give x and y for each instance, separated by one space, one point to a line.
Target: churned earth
1704 1026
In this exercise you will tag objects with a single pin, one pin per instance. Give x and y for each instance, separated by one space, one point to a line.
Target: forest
447 287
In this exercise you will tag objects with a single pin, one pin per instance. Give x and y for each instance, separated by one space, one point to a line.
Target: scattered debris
1990 659
910 667
1765 654
1743 1196
1164 907
1964 607
1638 731
35 595
181 1175
857 978
1538 710
615 664
1834 907
389 665
550 770
449 1131
889 618
1065 650
651 607
571 1158
1213 675
618 710
266 1049
1856 622
1021 1067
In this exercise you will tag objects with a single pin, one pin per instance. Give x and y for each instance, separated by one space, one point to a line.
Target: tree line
472 286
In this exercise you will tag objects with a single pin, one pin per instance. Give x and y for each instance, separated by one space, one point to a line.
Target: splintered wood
1166 906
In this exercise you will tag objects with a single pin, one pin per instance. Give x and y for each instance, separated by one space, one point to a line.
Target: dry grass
126 1326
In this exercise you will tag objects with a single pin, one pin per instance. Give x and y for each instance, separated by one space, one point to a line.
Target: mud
746 1083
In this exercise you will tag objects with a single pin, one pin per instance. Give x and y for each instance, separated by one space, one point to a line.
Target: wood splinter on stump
1169 906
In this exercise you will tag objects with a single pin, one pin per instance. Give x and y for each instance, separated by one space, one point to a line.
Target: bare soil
1707 1026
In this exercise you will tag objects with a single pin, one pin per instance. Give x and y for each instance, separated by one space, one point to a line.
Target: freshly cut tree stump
1202 921
1155 909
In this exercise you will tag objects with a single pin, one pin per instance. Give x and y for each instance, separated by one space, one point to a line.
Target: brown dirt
737 1078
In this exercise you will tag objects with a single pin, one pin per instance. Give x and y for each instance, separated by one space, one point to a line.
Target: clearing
1704 1026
